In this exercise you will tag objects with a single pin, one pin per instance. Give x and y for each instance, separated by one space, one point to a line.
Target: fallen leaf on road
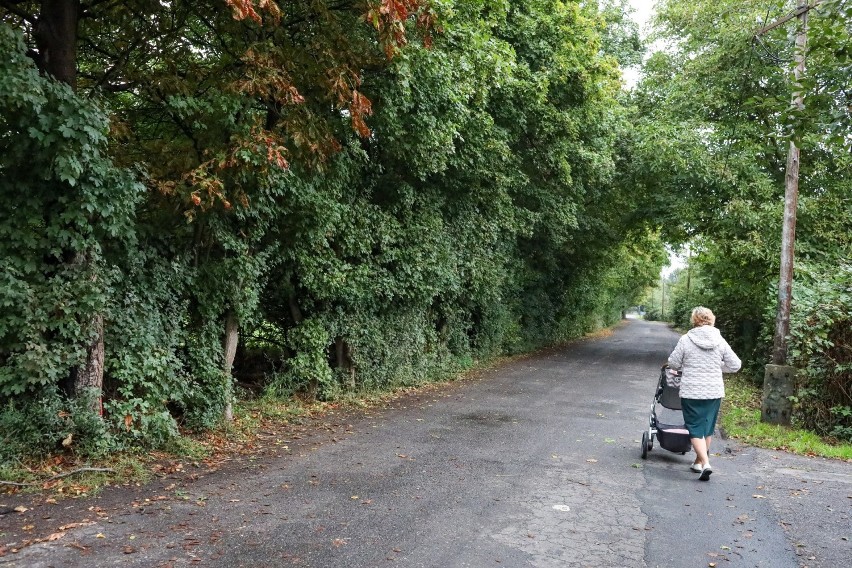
75 525
758 496
592 460
21 509
55 536
100 535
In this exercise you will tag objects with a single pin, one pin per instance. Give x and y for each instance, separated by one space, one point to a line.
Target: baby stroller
671 431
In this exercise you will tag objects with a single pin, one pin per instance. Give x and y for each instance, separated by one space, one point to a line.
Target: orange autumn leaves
389 17
245 9
268 74
270 81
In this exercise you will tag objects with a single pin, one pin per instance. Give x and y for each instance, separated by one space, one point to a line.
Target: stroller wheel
645 442
650 442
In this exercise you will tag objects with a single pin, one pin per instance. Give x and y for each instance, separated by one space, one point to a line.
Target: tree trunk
89 377
56 38
232 337
344 362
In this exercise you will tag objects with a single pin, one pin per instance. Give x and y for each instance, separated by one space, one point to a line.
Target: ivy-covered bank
202 199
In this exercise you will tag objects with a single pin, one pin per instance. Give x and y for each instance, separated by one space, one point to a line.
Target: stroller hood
705 336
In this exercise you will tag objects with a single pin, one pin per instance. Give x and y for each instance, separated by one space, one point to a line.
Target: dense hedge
821 348
461 199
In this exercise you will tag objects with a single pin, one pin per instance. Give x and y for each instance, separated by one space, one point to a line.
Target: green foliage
369 222
620 37
309 369
821 348
715 124
41 426
66 207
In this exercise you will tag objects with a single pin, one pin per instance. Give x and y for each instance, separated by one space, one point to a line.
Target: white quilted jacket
703 355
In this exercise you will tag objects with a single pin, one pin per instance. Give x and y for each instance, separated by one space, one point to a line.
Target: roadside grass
253 415
740 419
63 477
66 475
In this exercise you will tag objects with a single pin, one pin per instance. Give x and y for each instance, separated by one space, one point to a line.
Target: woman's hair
702 316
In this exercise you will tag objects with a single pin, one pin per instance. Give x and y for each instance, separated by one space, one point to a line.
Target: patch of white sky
643 10
677 260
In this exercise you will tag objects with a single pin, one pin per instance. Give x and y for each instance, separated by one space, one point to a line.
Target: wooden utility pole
688 275
791 200
779 379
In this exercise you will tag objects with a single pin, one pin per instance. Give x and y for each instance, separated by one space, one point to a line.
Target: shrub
821 347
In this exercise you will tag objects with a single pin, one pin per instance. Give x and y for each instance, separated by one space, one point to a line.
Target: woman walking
702 355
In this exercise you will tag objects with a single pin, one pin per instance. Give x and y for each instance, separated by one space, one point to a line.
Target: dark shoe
705 473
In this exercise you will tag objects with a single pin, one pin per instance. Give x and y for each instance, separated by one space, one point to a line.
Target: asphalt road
532 464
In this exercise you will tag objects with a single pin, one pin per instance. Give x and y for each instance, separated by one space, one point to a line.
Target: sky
643 10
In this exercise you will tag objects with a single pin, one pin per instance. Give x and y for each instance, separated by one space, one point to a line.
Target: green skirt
700 415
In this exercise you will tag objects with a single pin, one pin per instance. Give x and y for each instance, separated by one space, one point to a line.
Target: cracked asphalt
535 463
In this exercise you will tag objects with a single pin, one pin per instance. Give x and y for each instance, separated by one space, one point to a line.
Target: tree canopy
716 121
311 197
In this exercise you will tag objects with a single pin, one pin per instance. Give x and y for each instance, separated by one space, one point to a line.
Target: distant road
532 464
